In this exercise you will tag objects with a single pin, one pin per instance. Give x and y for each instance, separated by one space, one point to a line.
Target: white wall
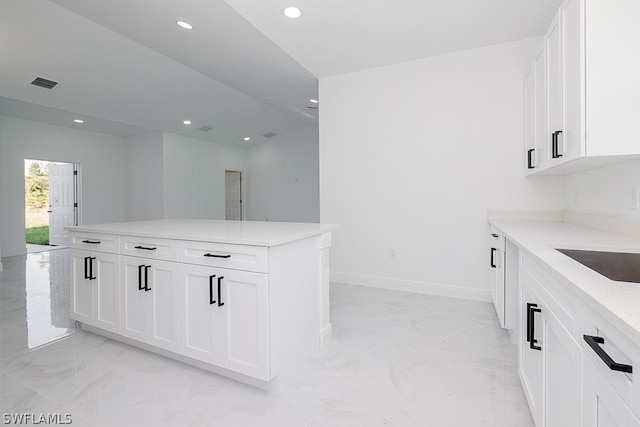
282 178
604 190
194 181
411 158
144 177
101 159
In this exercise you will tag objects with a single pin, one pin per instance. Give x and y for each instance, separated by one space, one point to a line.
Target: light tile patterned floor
397 359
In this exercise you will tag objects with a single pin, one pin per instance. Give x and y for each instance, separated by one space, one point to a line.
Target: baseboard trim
325 335
412 286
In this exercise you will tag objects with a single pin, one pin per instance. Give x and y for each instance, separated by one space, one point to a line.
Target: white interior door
61 203
233 195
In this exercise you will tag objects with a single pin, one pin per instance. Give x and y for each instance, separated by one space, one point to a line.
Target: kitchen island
244 299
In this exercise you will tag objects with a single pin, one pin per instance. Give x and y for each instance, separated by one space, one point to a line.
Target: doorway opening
51 203
234 191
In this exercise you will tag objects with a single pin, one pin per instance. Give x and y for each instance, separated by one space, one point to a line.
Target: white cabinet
603 407
225 318
95 289
589 106
244 307
536 113
549 358
149 301
503 284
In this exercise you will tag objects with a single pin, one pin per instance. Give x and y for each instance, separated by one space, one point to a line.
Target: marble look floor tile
396 359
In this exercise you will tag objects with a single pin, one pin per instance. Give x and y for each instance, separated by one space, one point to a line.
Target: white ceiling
126 68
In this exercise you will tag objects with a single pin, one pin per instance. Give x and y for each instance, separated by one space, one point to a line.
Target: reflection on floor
397 359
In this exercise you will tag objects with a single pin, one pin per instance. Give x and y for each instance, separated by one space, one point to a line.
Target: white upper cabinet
583 111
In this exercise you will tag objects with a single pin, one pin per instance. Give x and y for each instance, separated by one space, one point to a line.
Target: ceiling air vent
205 128
269 135
47 84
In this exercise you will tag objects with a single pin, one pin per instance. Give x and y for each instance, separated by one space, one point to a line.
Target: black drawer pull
92 242
211 300
614 366
220 303
146 249
217 256
493 263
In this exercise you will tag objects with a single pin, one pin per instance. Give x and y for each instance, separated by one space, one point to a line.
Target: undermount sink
619 266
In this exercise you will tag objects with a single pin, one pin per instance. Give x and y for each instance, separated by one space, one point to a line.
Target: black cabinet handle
614 366
220 303
554 144
217 256
146 249
92 242
211 300
140 267
530 158
493 264
146 278
532 309
86 267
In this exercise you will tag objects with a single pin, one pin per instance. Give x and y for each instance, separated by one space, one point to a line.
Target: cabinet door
81 287
563 370
572 83
497 282
106 291
244 322
198 313
555 88
133 297
162 305
602 406
530 367
541 120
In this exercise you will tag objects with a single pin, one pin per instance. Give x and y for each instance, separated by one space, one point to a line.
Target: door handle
211 300
614 366
86 267
530 158
532 309
140 267
554 144
146 278
220 303
493 264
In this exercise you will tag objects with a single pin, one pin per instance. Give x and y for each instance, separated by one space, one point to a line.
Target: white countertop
617 302
254 233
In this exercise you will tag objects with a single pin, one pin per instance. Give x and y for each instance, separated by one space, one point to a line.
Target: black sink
619 266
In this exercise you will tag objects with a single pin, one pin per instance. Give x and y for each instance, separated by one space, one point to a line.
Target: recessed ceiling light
292 12
187 122
246 138
314 101
185 25
78 121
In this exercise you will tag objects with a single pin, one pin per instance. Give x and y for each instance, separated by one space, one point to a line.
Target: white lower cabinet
549 359
149 301
603 407
224 318
95 289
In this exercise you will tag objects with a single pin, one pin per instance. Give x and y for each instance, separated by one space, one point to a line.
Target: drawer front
96 242
149 247
497 239
237 257
621 351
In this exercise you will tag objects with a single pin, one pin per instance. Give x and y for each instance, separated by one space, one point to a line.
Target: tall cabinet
582 88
